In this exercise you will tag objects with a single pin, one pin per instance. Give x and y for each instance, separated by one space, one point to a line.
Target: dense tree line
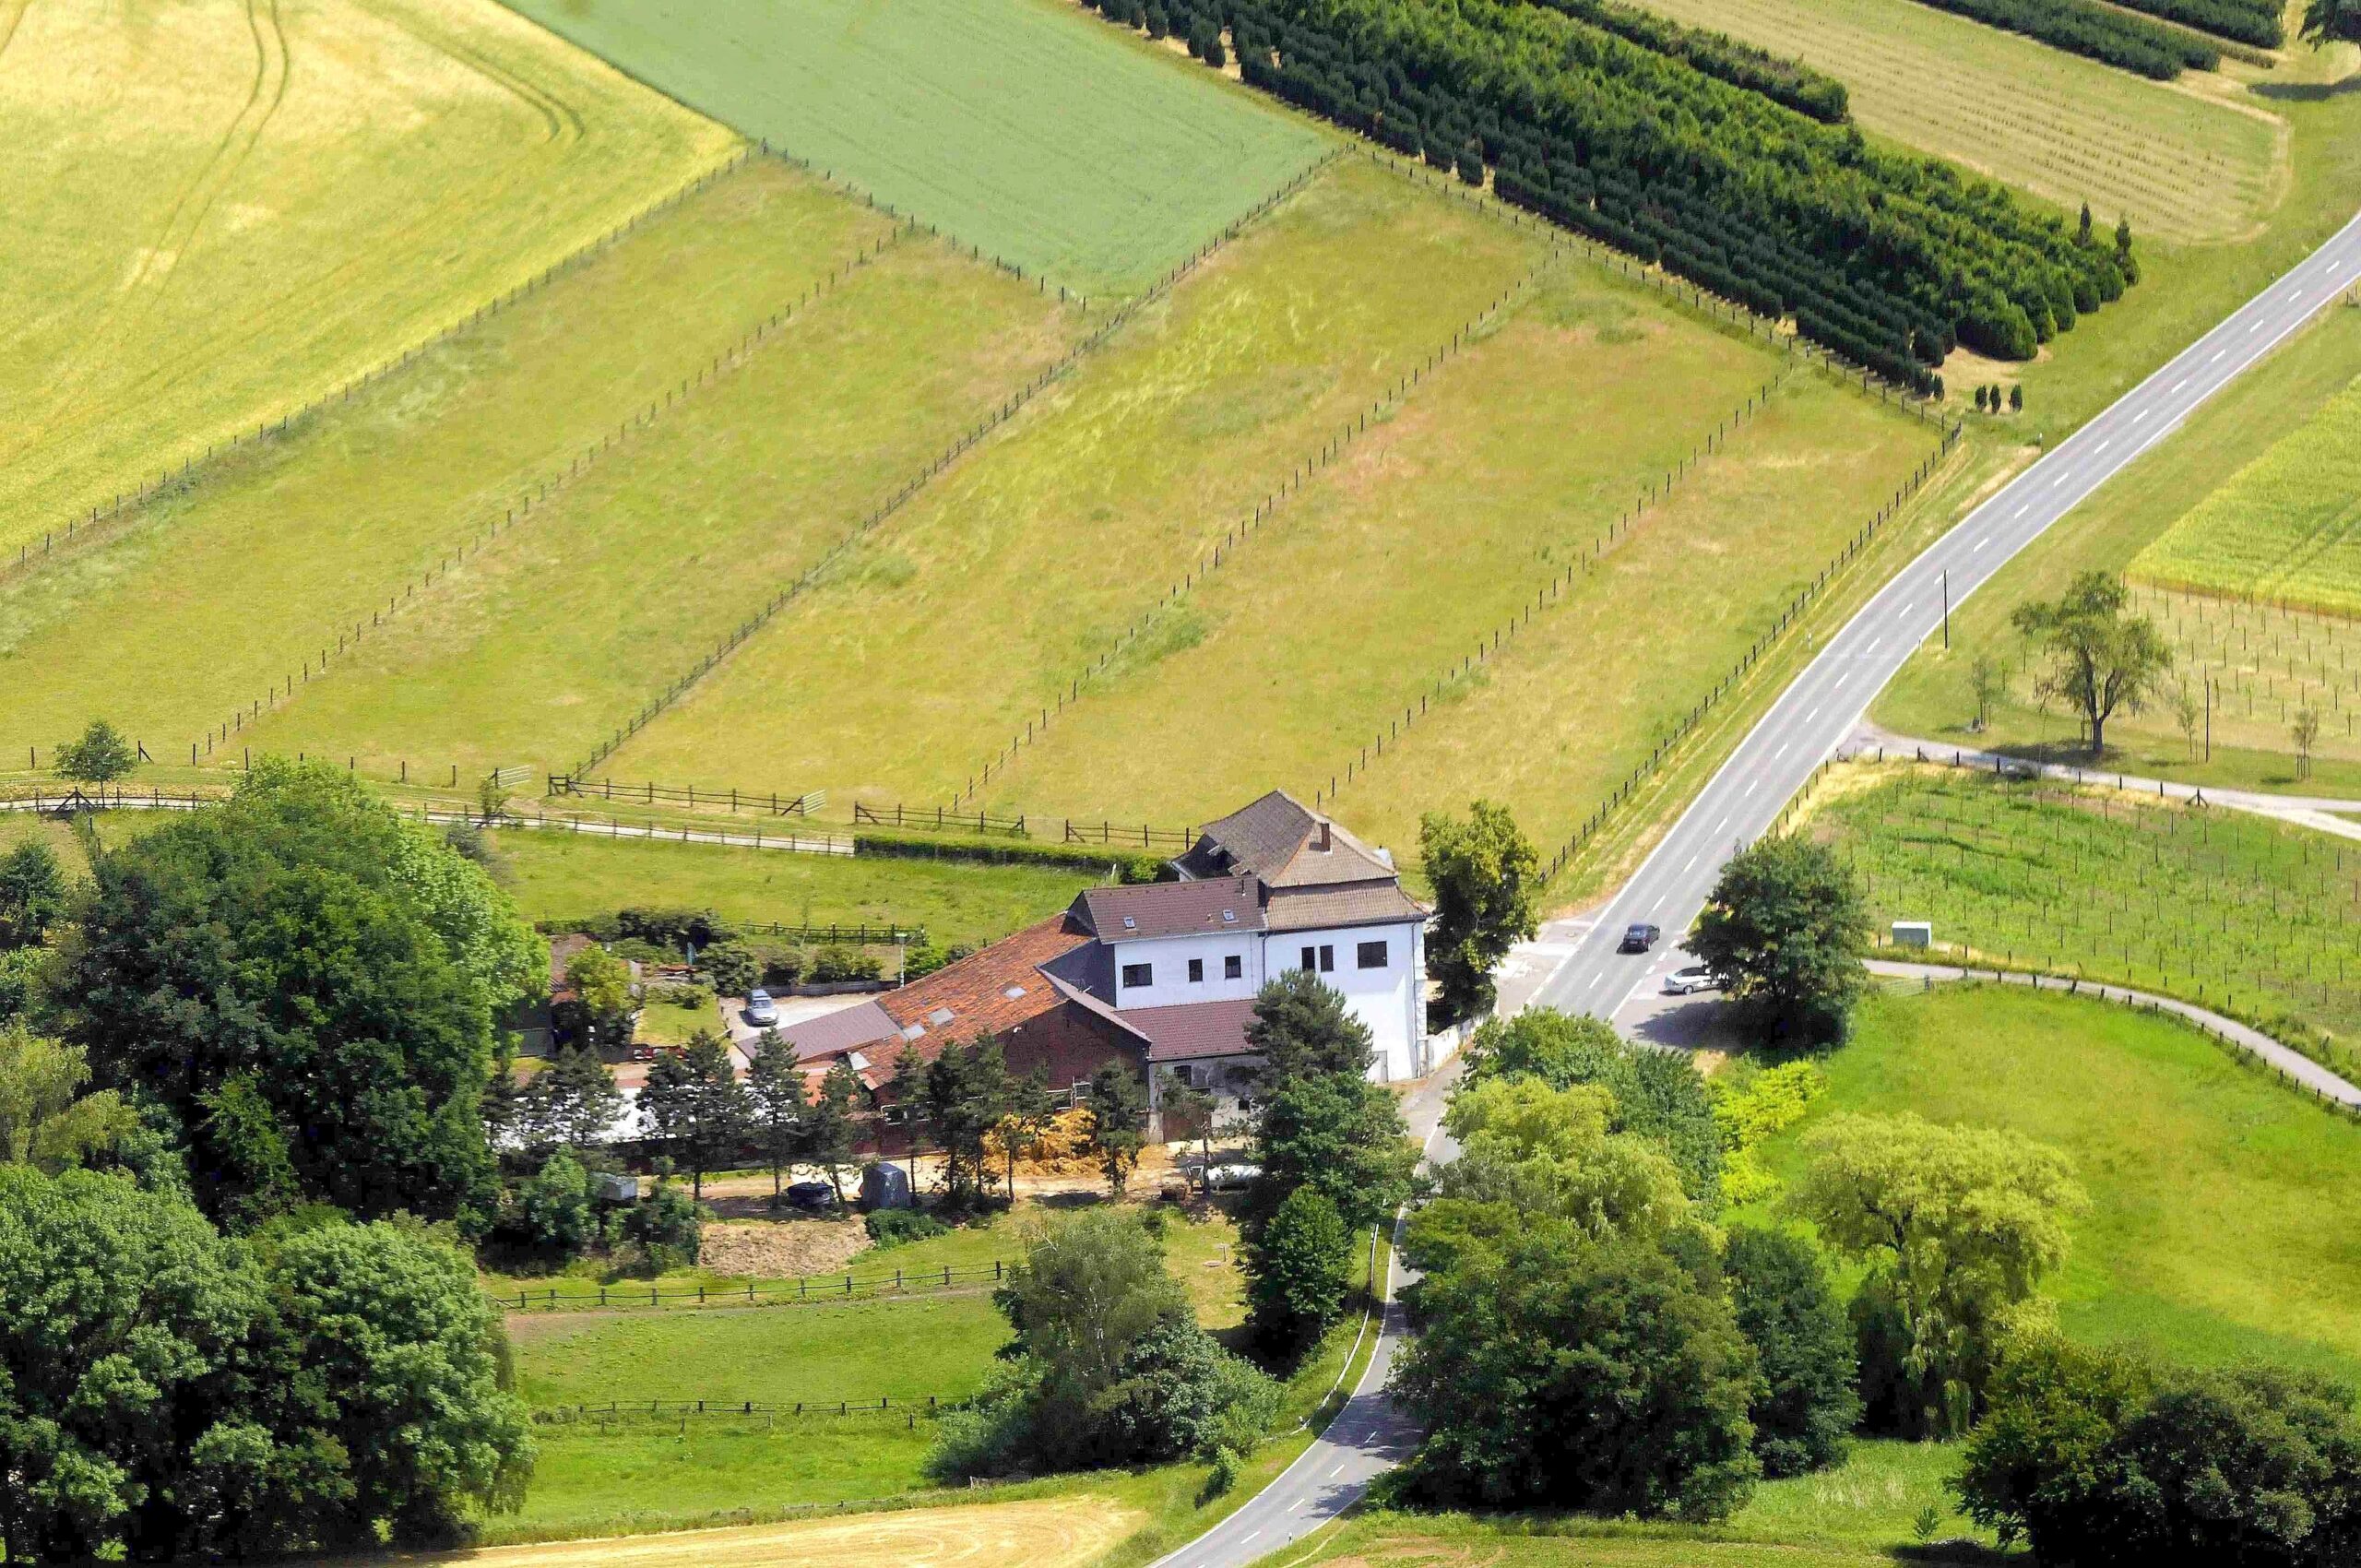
1889 259
2081 28
1718 54
2257 22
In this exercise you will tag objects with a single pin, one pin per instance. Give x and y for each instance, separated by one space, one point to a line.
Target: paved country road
1809 721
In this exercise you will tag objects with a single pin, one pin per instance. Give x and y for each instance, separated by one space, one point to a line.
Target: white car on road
1695 977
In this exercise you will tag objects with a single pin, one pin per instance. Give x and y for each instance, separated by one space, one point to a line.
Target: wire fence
818 1287
1008 409
124 500
1689 722
1332 449
619 1412
1618 532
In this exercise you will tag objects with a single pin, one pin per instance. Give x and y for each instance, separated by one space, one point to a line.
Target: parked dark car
814 1195
1638 937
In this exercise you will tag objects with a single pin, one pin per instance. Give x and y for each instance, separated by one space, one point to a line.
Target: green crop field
2184 164
561 876
2250 916
2215 1189
1022 127
2285 529
272 556
221 212
993 591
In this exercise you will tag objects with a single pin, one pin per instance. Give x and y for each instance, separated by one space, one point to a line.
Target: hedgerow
1887 258
1718 54
2257 22
2081 28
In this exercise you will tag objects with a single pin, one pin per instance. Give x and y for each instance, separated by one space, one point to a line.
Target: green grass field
277 552
221 212
991 592
2285 529
1581 695
538 650
2217 1226
570 876
2251 916
2186 163
1388 569
1022 127
2264 660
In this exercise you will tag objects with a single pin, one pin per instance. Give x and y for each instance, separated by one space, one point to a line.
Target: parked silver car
1694 977
761 1011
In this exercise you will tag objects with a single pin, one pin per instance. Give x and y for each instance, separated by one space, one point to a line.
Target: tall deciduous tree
45 1119
1806 1409
1957 1226
1783 934
1297 1271
2330 22
310 985
602 1006
2101 658
1486 875
835 1131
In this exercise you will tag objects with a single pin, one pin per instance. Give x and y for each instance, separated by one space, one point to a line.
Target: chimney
1320 842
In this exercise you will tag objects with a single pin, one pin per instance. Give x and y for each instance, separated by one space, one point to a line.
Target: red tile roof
1195 1030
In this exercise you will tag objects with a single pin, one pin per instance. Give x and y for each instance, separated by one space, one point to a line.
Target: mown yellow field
220 209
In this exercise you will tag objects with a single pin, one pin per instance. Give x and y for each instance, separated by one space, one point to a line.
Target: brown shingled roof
1277 838
991 989
1195 1030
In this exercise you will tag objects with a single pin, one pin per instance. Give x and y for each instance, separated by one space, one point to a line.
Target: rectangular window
1370 956
1312 960
1233 968
1138 974
1327 958
1196 970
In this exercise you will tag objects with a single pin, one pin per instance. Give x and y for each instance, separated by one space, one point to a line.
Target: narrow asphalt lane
1816 714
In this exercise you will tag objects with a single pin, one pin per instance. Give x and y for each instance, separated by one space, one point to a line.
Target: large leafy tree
2330 22
311 986
1562 1372
165 1392
101 755
2037 1465
1956 1226
1118 1109
1486 879
2100 657
1806 1409
1658 1094
1297 1270
1336 1133
965 1093
1783 933
45 1119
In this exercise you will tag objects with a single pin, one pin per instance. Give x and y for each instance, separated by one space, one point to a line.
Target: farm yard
2187 165
223 214
1102 171
2248 916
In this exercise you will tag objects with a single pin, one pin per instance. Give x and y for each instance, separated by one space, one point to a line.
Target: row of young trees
241 1079
1885 258
2259 22
2095 32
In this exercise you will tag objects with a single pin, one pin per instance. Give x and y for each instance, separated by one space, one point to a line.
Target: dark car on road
1638 937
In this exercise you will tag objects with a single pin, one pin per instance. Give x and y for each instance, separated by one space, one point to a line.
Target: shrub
668 1226
673 929
835 964
554 1211
783 969
730 967
896 1227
